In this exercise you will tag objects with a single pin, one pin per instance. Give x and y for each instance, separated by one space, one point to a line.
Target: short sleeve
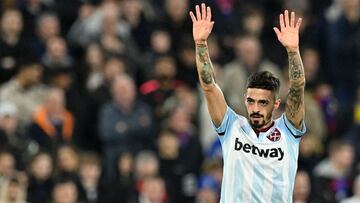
229 118
296 133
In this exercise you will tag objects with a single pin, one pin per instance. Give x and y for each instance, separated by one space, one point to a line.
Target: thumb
277 32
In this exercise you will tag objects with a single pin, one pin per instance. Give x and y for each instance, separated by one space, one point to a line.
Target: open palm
202 24
288 35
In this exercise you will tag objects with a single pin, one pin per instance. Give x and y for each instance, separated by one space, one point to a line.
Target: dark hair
263 80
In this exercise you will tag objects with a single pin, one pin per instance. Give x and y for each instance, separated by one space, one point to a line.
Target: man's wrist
200 42
292 49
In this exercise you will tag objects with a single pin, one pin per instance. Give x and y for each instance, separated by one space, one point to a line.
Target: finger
212 25
292 19
203 11
287 23
208 16
281 20
198 14
277 32
298 23
192 17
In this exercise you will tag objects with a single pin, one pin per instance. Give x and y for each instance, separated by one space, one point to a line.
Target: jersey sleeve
229 118
296 133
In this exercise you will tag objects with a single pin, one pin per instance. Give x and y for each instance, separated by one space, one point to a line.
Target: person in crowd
52 124
47 27
12 44
40 178
7 167
302 188
125 123
25 90
13 192
332 175
153 191
65 191
91 187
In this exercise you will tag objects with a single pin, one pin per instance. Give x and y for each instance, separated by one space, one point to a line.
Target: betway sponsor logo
247 148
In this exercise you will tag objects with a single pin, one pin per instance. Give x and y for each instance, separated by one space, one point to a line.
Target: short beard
259 125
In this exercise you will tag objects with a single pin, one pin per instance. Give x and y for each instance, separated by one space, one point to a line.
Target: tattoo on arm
295 100
206 70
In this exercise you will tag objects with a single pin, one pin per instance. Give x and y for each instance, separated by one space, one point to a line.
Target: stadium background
114 113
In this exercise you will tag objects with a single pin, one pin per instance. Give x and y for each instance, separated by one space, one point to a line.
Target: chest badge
274 136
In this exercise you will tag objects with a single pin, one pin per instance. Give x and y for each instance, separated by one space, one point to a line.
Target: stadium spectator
40 178
332 176
13 192
123 187
47 27
21 146
125 123
52 124
65 191
12 44
7 167
302 188
91 187
153 191
25 90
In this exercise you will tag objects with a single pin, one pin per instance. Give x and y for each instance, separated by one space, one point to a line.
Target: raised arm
202 26
288 35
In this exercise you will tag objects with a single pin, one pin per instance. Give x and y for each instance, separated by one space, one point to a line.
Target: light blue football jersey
258 169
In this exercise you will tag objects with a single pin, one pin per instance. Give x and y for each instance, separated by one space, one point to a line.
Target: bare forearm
295 100
204 66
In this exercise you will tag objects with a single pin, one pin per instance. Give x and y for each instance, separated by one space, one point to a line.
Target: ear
277 104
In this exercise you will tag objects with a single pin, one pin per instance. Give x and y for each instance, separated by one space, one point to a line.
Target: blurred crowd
99 99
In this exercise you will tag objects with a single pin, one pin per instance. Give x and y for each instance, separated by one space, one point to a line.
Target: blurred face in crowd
207 195
214 49
48 26
65 192
177 9
125 164
146 165
32 74
248 50
302 186
311 63
154 189
7 164
94 57
55 101
90 172
260 105
179 120
160 41
343 156
14 190
11 22
56 48
109 24
254 22
123 91
165 68
68 159
350 5
168 145
42 167
132 9
113 67
9 124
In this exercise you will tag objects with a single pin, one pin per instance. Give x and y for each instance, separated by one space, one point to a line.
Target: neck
10 38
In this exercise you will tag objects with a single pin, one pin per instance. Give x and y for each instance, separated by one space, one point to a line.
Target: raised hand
288 35
202 24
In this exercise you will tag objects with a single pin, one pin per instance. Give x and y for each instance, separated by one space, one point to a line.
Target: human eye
263 102
250 101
